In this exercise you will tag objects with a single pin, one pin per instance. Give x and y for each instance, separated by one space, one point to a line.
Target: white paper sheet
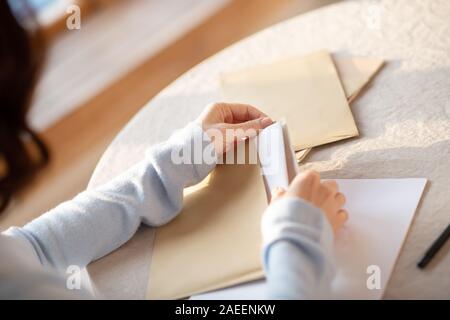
380 213
277 159
272 157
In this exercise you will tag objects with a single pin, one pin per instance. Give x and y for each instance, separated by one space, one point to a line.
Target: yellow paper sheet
305 91
355 73
215 241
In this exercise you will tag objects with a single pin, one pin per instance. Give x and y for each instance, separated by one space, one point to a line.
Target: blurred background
96 78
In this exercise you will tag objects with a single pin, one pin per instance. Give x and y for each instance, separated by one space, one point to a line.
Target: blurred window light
40 4
47 11
37 5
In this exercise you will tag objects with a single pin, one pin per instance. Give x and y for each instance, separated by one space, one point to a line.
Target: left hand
228 123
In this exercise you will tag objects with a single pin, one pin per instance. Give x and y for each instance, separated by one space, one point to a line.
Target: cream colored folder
306 91
214 242
355 73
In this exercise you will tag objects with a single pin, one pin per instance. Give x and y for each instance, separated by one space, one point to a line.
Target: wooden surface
113 41
403 118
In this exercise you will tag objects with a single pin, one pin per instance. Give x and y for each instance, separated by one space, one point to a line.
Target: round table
403 117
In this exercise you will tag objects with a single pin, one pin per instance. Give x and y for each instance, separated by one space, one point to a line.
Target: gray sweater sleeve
99 221
297 251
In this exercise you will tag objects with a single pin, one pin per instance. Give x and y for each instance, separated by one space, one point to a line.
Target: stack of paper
215 241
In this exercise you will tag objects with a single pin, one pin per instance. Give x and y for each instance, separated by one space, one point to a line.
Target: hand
229 123
323 195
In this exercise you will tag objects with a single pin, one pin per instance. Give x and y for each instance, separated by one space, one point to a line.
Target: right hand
323 195
229 123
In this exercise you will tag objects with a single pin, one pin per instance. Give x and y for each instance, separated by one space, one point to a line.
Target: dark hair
22 152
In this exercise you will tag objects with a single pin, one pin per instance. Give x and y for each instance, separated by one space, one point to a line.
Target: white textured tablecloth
403 118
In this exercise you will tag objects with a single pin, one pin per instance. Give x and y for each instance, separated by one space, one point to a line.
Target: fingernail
266 121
